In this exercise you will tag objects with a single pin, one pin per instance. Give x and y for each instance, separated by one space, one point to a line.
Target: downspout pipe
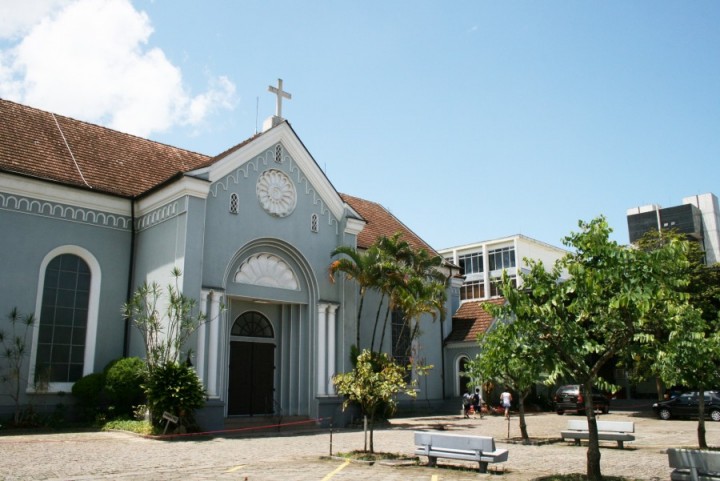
131 274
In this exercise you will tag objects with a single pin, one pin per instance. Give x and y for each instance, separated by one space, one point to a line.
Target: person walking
478 402
506 400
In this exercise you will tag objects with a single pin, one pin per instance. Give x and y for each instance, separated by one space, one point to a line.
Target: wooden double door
252 373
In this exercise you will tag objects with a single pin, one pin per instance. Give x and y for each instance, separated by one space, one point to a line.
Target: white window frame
92 316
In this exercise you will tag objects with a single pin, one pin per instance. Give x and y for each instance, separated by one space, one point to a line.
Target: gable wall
228 233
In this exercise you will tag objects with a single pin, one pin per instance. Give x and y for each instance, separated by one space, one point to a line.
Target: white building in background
482 263
698 218
481 267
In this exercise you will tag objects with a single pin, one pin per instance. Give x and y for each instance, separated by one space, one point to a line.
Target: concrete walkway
297 454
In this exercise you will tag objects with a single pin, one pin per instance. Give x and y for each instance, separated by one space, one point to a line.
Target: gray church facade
88 214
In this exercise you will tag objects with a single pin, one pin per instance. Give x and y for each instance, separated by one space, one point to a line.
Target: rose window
276 193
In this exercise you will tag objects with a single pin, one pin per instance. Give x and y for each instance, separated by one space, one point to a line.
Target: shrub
123 385
174 388
88 391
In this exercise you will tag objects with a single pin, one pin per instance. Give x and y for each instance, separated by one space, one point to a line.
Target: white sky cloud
90 59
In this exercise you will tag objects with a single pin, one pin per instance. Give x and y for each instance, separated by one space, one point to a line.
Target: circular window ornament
276 193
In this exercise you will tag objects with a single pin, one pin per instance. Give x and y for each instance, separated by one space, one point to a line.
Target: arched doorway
252 366
463 378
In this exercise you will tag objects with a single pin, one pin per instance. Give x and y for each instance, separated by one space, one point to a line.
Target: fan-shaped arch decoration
266 270
252 324
276 193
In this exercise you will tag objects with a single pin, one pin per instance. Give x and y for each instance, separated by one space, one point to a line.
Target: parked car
572 398
687 405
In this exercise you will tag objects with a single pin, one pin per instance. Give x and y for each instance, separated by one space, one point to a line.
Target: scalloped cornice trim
56 210
161 214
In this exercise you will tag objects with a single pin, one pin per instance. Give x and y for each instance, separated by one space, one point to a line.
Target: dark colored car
687 404
571 398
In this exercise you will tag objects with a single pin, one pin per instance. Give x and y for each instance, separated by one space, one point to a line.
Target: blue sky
469 120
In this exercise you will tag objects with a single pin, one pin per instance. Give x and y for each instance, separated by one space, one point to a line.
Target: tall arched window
63 320
64 337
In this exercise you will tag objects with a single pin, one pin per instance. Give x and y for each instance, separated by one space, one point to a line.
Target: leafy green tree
165 318
690 357
511 353
14 351
685 348
373 384
605 306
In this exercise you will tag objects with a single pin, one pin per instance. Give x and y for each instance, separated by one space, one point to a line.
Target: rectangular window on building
471 263
501 258
472 290
496 285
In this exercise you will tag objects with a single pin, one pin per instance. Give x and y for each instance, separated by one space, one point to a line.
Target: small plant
14 350
88 391
133 426
165 318
123 385
174 388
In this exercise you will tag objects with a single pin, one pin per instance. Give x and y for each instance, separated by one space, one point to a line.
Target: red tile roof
60 149
380 222
32 144
472 319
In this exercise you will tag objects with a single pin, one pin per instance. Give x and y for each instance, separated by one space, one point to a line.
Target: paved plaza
304 454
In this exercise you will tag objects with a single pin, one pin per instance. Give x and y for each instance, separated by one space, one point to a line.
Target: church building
88 214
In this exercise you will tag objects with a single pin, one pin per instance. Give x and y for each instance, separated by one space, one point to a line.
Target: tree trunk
377 321
523 425
702 442
357 321
593 452
384 329
660 389
365 433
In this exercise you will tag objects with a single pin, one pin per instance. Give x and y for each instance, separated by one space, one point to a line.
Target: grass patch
368 456
138 427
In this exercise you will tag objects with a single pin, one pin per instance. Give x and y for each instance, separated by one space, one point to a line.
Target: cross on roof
280 94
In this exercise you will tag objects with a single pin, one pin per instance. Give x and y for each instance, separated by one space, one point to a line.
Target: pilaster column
214 350
331 345
322 349
200 358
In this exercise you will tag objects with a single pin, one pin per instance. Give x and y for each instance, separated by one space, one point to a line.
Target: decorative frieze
55 210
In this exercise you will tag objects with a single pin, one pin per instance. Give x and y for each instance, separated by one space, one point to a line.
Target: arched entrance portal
252 366
463 378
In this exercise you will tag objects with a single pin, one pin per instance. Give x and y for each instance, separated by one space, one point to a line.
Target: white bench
480 449
607 431
694 465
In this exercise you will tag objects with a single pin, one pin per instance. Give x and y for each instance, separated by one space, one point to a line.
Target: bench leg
483 466
620 444
432 461
577 442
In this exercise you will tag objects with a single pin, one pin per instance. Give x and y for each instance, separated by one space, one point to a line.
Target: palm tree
422 290
363 267
396 253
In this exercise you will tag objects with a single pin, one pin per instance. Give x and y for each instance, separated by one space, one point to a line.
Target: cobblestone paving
305 454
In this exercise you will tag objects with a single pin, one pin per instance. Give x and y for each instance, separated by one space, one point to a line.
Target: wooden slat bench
619 431
694 465
480 449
